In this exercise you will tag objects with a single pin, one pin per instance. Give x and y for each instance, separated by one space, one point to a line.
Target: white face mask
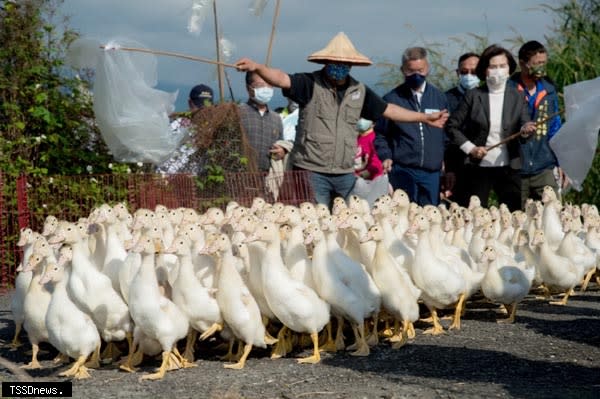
363 125
497 77
468 81
263 95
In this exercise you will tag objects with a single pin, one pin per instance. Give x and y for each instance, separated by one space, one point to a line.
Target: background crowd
487 136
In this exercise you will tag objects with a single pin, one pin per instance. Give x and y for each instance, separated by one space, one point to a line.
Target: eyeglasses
467 71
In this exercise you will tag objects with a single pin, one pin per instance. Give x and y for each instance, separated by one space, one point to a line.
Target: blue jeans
327 186
421 186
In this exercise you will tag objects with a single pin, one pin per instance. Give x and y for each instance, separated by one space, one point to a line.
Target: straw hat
340 49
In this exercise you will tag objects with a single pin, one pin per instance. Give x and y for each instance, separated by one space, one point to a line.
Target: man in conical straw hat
331 102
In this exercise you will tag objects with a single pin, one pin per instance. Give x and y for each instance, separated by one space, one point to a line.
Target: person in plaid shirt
262 126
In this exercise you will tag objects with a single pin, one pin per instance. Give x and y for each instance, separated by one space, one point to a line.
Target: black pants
477 180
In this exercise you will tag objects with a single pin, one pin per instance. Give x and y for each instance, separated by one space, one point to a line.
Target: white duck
253 276
308 209
359 228
204 265
551 224
398 248
454 256
575 249
194 299
401 203
26 239
37 300
355 274
507 231
133 261
238 307
92 291
441 284
481 222
592 240
505 283
297 306
295 255
349 238
155 315
70 330
458 238
115 253
399 295
556 271
337 290
526 257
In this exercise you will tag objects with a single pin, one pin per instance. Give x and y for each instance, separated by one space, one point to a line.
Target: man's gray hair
413 54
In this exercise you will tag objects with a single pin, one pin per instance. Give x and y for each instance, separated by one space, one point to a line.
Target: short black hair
489 53
465 56
530 49
249 77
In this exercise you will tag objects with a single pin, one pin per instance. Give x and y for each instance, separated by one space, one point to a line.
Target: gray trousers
532 186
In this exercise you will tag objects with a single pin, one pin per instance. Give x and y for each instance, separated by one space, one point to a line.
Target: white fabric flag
576 141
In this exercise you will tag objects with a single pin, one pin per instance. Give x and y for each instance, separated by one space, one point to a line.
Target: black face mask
537 71
415 80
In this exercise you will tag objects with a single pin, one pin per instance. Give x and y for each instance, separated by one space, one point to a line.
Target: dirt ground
550 352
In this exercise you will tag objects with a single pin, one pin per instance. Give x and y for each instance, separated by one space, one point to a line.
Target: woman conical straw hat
340 49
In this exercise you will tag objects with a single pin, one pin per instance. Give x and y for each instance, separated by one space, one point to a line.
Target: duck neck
381 255
226 271
424 244
186 267
147 269
60 287
101 245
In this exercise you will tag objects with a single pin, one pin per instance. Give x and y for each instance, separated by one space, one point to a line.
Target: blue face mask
263 95
468 81
363 125
415 80
337 71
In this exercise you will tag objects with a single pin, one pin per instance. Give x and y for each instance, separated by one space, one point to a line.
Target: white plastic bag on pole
575 143
132 115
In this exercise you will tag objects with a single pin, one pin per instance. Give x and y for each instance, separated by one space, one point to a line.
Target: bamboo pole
219 66
272 37
515 135
172 54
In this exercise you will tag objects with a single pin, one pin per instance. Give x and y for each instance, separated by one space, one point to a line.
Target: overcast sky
380 29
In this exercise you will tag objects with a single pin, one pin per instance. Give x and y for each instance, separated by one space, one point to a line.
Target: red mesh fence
27 201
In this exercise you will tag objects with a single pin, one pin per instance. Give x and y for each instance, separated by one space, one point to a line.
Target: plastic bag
371 189
133 117
200 10
84 53
575 143
257 7
289 125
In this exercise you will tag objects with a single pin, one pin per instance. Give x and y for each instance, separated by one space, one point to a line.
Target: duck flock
154 277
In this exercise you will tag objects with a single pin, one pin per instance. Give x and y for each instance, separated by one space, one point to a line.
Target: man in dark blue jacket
413 153
537 159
